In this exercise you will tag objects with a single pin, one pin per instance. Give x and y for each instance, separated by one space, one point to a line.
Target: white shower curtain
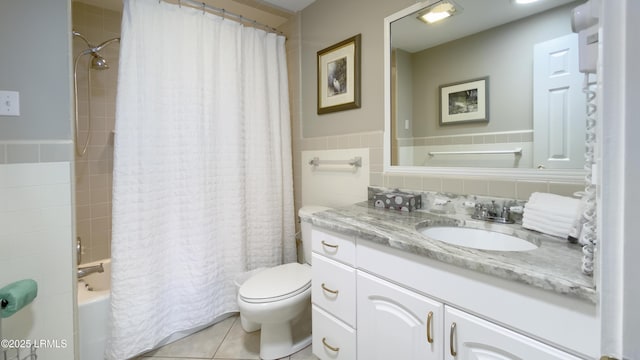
202 186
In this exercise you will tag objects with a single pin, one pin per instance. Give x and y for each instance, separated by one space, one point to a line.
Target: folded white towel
543 217
557 204
553 214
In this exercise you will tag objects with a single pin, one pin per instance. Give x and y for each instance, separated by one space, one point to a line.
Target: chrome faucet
84 271
492 212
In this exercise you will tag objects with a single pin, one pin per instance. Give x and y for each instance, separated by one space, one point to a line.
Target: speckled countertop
553 266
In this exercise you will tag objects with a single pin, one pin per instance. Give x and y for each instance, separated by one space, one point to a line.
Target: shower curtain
202 186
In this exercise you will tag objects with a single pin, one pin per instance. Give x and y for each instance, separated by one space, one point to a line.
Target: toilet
278 301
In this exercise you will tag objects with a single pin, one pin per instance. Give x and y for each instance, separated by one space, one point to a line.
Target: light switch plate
9 103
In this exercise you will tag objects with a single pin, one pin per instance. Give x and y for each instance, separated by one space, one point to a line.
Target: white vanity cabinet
396 323
382 303
333 296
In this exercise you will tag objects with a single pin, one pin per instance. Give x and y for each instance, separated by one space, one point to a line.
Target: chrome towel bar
516 152
355 162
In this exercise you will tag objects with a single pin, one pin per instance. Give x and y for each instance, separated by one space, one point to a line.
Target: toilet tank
305 229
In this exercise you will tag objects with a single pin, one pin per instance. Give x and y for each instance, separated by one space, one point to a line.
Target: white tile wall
36 242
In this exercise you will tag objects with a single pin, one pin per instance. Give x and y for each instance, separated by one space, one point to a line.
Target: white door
395 323
559 105
471 338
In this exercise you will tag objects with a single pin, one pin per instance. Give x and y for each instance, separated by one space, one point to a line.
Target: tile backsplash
511 189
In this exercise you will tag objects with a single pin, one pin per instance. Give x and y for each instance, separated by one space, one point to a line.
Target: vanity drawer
332 339
334 246
334 288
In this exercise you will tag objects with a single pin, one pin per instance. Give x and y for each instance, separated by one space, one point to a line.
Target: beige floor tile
201 345
239 345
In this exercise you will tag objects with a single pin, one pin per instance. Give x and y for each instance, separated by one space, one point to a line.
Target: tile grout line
237 318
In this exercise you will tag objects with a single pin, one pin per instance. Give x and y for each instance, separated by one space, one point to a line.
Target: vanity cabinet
382 303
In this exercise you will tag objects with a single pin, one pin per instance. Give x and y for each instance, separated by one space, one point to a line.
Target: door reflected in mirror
533 107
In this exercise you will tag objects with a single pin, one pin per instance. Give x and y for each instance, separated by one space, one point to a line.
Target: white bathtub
94 296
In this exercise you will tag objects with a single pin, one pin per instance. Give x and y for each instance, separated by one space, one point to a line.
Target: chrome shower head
98 62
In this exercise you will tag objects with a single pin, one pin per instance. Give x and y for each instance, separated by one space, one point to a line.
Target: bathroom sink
477 238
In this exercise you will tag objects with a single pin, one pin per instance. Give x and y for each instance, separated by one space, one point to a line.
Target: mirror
494 87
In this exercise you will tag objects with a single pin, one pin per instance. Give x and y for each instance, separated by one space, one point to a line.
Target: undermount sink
477 238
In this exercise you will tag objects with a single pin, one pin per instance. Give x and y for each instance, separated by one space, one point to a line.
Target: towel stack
553 214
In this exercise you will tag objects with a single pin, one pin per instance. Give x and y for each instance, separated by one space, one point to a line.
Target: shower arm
93 48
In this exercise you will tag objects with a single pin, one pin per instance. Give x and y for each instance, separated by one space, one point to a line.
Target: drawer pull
324 342
335 292
429 326
329 245
451 333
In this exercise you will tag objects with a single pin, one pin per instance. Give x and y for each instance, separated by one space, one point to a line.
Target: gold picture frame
339 76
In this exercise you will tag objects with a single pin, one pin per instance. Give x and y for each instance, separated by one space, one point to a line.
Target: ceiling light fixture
524 2
438 11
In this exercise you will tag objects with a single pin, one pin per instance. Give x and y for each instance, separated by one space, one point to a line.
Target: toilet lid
276 283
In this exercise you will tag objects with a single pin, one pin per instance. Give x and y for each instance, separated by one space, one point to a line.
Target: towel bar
355 162
516 151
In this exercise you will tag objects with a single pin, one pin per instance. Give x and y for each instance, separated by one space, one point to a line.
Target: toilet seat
277 283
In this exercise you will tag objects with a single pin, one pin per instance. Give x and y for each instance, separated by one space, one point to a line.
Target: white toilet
277 300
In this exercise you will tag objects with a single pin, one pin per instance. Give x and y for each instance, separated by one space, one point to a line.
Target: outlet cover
9 103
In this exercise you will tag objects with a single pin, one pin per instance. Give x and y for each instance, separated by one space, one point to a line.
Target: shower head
98 62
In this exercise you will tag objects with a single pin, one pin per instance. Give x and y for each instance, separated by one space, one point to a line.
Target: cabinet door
471 338
395 323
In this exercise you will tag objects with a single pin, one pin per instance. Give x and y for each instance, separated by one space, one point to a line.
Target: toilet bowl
278 301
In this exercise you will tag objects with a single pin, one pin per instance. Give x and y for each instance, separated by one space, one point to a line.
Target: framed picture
463 102
339 76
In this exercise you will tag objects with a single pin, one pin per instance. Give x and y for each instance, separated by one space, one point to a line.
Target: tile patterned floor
223 341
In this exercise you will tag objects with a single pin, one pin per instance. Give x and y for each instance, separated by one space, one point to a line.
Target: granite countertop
554 265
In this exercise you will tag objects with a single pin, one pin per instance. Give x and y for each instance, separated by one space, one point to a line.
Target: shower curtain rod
224 13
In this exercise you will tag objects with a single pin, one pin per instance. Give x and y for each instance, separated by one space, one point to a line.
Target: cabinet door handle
329 245
451 334
335 292
324 342
429 326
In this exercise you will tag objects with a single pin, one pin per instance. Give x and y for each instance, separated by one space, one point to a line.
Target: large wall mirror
493 88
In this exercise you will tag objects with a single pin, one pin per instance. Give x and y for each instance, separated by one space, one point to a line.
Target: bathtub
94 295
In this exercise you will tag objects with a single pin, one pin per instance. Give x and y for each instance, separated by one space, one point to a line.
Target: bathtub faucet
84 271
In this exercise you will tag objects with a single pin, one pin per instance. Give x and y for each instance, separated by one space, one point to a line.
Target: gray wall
35 60
326 22
505 54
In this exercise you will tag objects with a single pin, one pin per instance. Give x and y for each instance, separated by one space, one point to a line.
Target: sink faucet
84 271
492 212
